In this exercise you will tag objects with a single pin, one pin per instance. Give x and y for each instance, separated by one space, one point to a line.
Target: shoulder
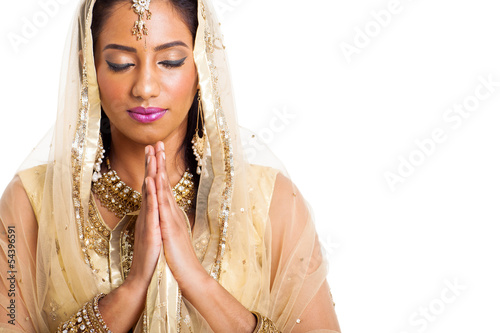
15 192
262 174
22 196
276 187
18 219
33 178
279 198
290 222
286 199
290 217
262 179
281 187
33 181
273 186
16 207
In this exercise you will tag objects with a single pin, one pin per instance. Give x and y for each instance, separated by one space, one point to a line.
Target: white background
394 252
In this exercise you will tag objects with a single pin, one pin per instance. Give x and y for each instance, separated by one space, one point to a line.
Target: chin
148 134
150 137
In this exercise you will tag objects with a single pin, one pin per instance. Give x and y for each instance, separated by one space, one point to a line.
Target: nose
147 85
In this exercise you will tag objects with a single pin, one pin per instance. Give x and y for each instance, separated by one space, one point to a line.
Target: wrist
134 287
135 283
117 317
221 310
197 281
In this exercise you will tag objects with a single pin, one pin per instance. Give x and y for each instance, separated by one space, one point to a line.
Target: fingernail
163 155
149 159
147 150
162 145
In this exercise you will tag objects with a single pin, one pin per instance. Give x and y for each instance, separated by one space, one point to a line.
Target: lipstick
146 115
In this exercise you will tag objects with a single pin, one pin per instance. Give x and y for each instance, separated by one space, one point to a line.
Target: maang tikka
199 142
141 8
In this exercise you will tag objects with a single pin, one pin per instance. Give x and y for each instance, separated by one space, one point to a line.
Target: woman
147 216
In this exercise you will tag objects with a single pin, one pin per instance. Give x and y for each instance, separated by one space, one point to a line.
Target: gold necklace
121 199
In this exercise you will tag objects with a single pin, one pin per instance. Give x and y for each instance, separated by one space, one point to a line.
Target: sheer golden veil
239 207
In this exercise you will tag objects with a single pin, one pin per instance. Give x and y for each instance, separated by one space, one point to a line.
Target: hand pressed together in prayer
162 224
158 93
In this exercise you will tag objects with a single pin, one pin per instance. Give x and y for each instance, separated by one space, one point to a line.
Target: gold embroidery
88 319
200 247
97 237
79 146
264 324
227 148
77 156
127 246
96 233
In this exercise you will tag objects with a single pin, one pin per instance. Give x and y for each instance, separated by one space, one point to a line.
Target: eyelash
166 63
118 68
173 63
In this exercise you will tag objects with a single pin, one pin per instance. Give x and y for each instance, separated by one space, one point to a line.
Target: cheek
111 89
182 85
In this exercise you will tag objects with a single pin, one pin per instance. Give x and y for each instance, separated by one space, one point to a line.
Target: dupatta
240 206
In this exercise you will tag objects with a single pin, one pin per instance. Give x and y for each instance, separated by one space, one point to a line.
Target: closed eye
118 67
173 63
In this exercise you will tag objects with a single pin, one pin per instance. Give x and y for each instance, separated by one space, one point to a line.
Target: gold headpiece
141 8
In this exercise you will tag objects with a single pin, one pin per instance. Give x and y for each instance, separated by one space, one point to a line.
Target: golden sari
253 231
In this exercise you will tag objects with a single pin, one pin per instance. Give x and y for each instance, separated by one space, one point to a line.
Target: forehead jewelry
141 8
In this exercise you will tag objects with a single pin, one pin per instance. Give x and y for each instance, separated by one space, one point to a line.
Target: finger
163 188
159 150
147 191
163 182
147 153
151 201
152 221
162 178
168 209
150 170
160 146
152 166
160 157
162 168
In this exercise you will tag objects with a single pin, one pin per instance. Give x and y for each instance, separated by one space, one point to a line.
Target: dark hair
188 9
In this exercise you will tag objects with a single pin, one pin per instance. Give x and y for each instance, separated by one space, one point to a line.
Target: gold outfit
68 255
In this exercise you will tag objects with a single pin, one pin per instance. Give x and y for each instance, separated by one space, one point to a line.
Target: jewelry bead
121 199
90 314
264 324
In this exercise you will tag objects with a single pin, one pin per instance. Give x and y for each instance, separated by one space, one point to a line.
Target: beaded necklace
121 199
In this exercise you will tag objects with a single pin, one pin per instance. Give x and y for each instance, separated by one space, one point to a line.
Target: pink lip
146 115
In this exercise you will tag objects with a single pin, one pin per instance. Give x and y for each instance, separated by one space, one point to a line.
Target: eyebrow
169 45
133 50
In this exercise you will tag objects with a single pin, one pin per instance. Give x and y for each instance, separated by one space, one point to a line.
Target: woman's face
156 74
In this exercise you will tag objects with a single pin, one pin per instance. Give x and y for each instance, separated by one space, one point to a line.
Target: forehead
165 25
